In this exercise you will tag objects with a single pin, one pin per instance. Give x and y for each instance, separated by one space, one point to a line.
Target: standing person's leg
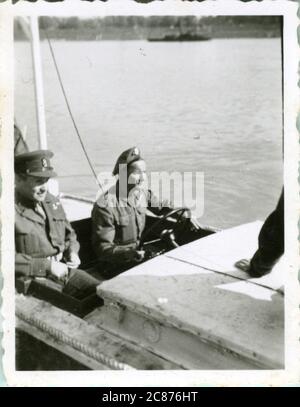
270 244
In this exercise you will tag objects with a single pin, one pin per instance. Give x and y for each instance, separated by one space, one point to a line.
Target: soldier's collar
24 202
26 207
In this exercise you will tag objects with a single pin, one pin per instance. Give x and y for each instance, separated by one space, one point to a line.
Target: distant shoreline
141 28
144 39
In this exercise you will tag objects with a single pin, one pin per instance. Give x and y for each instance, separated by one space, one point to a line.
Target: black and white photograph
155 195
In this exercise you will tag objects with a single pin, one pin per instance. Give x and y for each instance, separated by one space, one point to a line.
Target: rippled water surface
212 106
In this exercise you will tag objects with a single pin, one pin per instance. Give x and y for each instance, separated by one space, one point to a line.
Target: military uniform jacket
37 237
118 223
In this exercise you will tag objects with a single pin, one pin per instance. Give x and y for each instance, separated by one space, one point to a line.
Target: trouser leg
80 284
270 242
261 264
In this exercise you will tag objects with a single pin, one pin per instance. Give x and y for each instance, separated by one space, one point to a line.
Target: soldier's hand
72 260
59 270
139 255
134 255
193 221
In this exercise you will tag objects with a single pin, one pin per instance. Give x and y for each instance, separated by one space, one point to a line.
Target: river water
212 107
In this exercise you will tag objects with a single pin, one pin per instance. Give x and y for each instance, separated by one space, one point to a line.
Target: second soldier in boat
119 215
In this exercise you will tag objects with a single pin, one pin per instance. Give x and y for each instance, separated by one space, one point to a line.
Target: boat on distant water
180 37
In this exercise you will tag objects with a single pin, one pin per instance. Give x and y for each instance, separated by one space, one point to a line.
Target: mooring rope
74 343
69 109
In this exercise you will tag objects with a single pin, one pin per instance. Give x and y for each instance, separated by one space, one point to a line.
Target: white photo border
285 377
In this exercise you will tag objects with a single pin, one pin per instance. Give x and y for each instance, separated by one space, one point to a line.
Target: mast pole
38 78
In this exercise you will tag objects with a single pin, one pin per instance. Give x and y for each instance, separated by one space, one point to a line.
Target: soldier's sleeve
158 207
103 235
26 265
71 242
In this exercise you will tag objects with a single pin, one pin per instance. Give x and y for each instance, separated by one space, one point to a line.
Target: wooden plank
171 342
246 318
219 252
82 332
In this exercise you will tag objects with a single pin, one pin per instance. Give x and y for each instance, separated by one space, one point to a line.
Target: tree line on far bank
157 21
141 27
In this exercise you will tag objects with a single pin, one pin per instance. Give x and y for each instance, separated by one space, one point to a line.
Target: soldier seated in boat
119 215
45 243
